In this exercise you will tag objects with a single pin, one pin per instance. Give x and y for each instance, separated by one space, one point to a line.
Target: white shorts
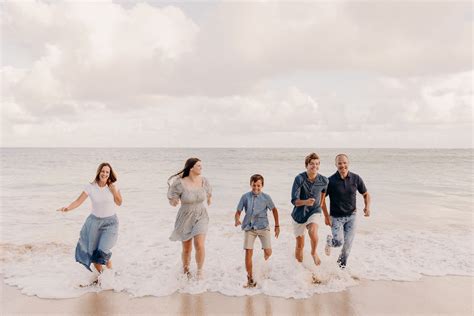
298 229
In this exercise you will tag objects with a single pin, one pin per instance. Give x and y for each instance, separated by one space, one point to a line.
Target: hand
327 220
310 201
277 231
62 209
209 200
174 202
237 222
112 187
366 212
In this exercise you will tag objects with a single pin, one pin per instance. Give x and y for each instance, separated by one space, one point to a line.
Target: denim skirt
98 236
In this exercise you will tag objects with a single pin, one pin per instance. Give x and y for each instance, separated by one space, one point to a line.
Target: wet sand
449 295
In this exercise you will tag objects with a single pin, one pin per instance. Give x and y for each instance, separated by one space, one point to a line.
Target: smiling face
196 169
256 186
104 174
342 164
313 166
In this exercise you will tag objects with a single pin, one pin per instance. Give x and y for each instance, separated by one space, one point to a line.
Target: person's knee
313 230
199 246
300 242
187 249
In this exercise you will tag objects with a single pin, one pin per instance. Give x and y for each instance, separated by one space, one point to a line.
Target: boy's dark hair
255 178
310 157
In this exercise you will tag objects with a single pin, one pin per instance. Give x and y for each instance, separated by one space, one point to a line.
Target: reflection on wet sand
412 298
192 304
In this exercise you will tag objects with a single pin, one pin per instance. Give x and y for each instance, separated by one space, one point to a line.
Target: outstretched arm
77 202
366 196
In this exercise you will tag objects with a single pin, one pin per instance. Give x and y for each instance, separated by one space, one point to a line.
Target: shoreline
444 295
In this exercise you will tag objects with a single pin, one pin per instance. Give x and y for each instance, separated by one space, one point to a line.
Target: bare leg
248 262
313 235
98 267
109 264
267 253
200 251
186 255
299 248
248 266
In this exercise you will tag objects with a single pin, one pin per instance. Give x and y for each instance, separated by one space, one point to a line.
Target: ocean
421 221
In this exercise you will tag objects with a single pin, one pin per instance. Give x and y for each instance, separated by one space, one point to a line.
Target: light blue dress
192 218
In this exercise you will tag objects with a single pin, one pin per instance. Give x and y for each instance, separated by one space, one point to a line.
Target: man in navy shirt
342 190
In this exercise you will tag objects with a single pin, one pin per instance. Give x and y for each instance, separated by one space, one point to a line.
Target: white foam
154 268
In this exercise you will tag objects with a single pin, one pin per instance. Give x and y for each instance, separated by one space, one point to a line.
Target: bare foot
199 274
93 283
187 273
250 283
327 249
316 280
316 259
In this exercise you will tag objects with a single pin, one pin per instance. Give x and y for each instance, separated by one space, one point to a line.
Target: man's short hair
310 157
341 155
255 178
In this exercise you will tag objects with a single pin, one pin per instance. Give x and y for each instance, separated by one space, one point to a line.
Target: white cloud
150 74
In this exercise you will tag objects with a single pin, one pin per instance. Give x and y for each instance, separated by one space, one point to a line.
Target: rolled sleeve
296 189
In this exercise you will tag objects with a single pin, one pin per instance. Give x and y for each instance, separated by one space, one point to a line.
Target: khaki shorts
298 229
264 236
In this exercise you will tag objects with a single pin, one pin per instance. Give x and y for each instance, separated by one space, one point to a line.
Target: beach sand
451 295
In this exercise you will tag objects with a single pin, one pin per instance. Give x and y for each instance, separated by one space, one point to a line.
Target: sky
341 74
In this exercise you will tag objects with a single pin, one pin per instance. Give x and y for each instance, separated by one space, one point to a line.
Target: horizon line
151 147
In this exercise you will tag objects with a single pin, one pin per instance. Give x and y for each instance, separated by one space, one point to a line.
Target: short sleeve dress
192 218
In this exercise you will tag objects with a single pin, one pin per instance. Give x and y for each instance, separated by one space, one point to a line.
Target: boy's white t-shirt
102 199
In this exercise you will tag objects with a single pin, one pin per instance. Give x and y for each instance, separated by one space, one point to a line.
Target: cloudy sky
241 74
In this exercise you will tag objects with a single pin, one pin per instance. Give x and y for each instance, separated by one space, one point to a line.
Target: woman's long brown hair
188 165
112 176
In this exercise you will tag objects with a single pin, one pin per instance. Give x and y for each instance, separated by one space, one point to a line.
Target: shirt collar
339 175
307 177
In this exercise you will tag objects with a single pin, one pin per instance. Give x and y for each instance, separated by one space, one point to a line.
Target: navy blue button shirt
304 189
255 207
342 193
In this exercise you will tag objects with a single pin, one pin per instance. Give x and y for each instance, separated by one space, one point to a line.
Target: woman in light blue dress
192 190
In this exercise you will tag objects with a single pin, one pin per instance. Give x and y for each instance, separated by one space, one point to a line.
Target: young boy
256 203
307 196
